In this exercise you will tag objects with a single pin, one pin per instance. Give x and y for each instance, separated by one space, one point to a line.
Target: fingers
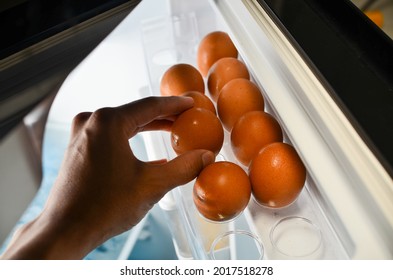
183 168
165 125
139 114
158 161
151 113
79 121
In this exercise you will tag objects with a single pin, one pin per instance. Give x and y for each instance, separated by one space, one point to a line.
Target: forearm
46 238
102 189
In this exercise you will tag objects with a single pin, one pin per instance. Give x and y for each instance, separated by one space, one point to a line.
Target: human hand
102 188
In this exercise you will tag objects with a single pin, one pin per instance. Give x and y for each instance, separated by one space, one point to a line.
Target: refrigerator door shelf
329 220
354 190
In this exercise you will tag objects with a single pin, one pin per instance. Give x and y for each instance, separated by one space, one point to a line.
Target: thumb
185 167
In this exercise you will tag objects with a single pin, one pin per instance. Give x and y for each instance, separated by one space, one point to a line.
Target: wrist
47 237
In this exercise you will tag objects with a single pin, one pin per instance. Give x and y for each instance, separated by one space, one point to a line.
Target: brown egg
221 191
180 78
201 101
197 128
212 47
277 175
223 71
236 98
251 133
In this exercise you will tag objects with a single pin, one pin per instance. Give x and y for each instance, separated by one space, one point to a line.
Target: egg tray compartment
301 230
298 231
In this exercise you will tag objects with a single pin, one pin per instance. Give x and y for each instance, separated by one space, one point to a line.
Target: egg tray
301 230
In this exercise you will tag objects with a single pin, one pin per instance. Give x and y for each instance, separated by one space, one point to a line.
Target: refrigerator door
42 42
344 210
352 178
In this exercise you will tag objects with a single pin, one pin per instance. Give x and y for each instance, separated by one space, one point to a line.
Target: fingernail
187 99
208 158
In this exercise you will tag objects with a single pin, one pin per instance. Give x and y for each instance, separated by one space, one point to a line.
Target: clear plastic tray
302 230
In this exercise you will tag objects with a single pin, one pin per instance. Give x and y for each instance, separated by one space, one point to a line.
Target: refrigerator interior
343 210
380 12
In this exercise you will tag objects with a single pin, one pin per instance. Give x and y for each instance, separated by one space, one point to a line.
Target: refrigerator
325 71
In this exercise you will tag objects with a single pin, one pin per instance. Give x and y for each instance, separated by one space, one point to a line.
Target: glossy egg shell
201 101
223 71
181 78
221 191
236 98
212 47
277 175
252 132
197 128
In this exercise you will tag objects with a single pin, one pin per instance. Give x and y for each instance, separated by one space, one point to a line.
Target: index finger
142 112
